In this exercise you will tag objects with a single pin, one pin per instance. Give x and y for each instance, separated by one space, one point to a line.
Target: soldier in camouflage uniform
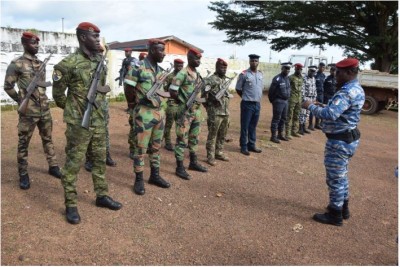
172 107
74 73
217 113
308 92
149 116
181 88
21 71
340 119
296 85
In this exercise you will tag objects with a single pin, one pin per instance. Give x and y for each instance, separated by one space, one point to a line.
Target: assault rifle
33 84
199 84
155 89
224 88
93 89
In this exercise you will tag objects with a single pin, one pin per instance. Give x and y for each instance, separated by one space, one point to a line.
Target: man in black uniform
278 95
319 82
330 84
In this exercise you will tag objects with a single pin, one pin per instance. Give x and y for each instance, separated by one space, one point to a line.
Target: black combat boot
180 170
194 165
138 187
282 137
132 155
169 147
55 171
156 179
345 210
72 215
24 182
88 164
333 217
317 124
109 160
274 138
108 202
301 129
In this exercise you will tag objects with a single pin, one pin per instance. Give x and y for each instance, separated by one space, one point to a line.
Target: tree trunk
383 64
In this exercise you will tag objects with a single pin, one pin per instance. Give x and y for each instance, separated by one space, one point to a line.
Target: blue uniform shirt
280 88
343 111
319 82
251 84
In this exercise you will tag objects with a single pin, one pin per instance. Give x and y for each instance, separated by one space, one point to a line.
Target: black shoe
245 152
283 138
169 147
131 155
24 182
72 215
109 161
88 166
255 149
345 210
108 202
181 172
55 171
311 127
157 180
138 187
333 217
275 139
306 131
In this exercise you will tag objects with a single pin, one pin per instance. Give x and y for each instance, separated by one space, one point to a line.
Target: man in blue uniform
278 94
249 87
340 119
319 83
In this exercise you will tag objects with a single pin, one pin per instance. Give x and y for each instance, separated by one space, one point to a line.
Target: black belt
348 137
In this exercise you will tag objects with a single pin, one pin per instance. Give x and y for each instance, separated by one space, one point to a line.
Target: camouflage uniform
75 74
308 92
340 116
149 116
171 111
184 83
21 71
292 121
217 117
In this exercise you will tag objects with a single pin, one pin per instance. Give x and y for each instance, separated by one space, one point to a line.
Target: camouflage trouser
149 127
107 116
132 134
78 139
217 129
337 157
292 121
171 113
189 130
26 127
305 113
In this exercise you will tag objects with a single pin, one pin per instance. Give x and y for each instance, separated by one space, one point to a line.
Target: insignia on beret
298 65
87 26
57 75
348 63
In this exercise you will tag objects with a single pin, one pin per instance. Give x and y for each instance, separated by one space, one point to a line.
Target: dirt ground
252 210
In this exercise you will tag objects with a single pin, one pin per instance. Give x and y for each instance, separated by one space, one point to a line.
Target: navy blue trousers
249 115
279 114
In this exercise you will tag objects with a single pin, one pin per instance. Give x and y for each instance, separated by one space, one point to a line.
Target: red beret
178 61
29 35
222 62
195 52
128 49
298 65
348 63
156 41
87 26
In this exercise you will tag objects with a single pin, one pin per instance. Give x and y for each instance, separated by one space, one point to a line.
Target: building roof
141 45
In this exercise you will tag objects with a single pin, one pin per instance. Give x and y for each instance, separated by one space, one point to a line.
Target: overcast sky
130 20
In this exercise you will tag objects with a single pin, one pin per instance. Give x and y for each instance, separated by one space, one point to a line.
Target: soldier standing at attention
181 88
278 94
249 87
149 116
330 84
217 113
172 107
341 117
296 84
319 83
74 73
21 71
309 92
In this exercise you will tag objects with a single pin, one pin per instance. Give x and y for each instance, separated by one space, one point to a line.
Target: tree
367 30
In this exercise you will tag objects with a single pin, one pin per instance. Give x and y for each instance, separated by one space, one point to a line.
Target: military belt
348 137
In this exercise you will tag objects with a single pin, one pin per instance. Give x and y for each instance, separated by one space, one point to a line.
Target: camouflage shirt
215 107
184 83
22 71
75 74
296 85
143 77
